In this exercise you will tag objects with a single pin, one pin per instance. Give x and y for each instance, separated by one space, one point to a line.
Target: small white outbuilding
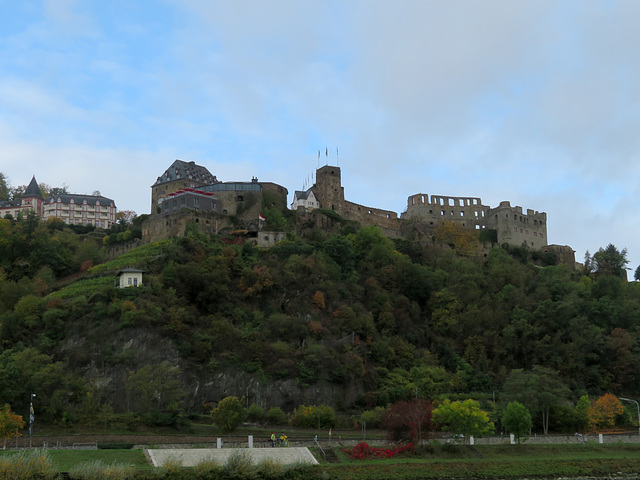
130 277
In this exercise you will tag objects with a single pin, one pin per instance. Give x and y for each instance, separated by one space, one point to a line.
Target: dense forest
347 318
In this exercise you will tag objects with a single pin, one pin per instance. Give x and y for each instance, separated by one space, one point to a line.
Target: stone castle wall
466 211
517 228
173 225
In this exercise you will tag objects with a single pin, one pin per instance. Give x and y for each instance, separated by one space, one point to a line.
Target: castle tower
328 188
32 198
178 176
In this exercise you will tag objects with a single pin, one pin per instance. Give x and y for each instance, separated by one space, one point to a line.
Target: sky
532 101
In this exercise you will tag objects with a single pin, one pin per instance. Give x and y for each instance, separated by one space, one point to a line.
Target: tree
582 412
229 414
314 416
10 424
463 240
603 411
4 188
125 217
538 389
463 418
156 386
636 275
517 420
610 261
408 420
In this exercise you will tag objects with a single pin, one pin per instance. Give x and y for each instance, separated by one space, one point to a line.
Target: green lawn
443 461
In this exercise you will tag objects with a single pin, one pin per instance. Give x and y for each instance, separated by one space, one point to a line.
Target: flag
260 217
326 151
318 154
329 432
31 419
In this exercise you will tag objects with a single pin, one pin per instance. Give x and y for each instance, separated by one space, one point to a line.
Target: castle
187 193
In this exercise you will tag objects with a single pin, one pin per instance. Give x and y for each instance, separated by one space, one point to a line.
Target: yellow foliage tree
10 424
602 412
464 240
318 300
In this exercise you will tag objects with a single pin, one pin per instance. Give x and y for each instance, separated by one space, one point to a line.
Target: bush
320 416
99 470
28 465
363 451
275 416
255 414
373 418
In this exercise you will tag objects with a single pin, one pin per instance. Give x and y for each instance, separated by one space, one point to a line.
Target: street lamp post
637 405
31 418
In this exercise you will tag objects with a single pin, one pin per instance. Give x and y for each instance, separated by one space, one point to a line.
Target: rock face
109 368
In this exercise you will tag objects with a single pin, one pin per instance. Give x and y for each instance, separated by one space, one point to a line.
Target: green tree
4 188
610 261
517 420
229 414
582 412
538 389
156 387
464 418
314 416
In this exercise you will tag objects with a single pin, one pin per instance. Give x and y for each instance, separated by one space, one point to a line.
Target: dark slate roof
190 170
301 195
79 199
33 190
7 204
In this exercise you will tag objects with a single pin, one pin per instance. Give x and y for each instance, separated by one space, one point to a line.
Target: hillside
351 319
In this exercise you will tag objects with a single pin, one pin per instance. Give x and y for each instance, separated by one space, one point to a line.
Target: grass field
441 461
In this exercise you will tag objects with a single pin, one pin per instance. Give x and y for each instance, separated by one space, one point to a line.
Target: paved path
188 457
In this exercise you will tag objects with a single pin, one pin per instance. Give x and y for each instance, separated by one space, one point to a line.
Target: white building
304 199
130 277
74 209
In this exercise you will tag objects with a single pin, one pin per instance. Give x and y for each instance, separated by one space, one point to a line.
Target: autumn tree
603 411
229 414
408 420
462 239
125 217
318 300
464 418
10 424
517 420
